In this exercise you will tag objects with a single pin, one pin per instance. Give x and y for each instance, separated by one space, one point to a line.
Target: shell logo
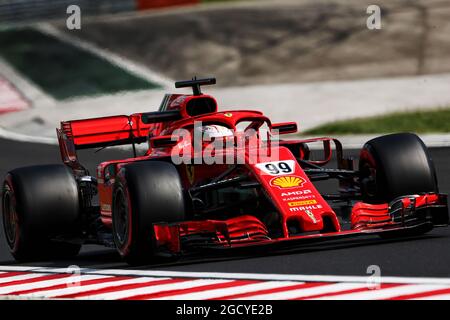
285 182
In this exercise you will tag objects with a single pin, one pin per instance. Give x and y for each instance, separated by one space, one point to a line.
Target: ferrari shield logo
311 216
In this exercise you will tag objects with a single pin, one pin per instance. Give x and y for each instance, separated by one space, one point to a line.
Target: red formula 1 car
259 192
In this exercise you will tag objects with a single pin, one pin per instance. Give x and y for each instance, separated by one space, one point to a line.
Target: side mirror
285 127
163 141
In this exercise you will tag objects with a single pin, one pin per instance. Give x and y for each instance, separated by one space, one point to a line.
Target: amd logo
296 193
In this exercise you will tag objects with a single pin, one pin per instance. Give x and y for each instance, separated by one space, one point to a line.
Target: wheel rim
10 220
120 219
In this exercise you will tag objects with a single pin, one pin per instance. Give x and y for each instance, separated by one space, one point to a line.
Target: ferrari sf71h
150 205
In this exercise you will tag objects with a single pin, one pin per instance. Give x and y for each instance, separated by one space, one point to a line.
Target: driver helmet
215 131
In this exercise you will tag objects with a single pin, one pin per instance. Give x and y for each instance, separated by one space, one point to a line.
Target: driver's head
213 131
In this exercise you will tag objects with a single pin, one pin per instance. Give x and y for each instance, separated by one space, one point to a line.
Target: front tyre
145 193
395 165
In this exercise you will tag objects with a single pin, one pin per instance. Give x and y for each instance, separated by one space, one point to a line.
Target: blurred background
313 61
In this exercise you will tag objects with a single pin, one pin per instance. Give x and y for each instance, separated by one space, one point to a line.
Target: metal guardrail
19 11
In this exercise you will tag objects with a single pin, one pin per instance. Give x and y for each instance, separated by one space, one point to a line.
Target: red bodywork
293 195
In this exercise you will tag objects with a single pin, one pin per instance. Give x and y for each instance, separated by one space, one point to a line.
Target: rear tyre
40 203
395 165
145 193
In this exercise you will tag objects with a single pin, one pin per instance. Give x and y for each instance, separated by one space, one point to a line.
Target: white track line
27 276
90 287
70 279
237 276
10 135
300 293
266 276
17 268
222 292
385 293
153 289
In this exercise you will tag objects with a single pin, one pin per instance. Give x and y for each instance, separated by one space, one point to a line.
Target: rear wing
108 131
113 130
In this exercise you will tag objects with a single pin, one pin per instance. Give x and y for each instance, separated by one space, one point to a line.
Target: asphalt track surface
425 256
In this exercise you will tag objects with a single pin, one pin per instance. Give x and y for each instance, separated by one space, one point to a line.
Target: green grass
437 120
63 70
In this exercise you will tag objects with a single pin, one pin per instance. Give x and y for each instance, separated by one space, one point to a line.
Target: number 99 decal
277 168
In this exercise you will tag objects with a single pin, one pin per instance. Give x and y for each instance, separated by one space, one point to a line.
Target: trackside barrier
149 4
20 11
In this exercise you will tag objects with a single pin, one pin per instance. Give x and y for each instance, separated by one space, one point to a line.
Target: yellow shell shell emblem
228 114
287 182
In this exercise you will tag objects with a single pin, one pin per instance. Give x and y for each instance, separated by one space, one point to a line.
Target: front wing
407 215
